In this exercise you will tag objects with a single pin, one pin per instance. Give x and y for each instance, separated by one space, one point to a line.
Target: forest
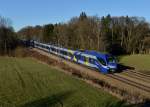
112 34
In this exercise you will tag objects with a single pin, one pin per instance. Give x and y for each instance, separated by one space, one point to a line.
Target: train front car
111 63
106 63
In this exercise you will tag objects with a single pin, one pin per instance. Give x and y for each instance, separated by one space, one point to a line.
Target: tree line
116 35
8 38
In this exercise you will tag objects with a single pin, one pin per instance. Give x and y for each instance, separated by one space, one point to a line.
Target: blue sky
39 12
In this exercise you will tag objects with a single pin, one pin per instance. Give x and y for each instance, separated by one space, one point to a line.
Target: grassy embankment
139 62
27 83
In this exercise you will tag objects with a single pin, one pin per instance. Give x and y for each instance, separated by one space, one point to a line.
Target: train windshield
111 59
101 61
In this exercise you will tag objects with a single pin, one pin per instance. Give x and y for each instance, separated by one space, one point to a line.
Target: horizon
31 13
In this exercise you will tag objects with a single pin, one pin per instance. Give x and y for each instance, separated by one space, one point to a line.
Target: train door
87 61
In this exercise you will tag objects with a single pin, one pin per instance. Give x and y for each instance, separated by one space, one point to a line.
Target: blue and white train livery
104 63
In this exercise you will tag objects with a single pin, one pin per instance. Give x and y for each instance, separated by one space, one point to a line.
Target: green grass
27 83
139 62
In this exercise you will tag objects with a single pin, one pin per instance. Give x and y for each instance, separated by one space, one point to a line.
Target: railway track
119 77
137 76
132 74
141 74
130 82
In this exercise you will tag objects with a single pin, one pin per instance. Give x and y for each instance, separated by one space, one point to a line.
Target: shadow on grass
51 101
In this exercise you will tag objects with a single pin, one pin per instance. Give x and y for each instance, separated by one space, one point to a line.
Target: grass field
139 62
27 83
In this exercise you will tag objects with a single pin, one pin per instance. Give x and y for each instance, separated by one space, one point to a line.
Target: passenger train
105 63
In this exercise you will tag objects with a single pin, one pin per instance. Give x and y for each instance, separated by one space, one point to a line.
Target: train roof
95 53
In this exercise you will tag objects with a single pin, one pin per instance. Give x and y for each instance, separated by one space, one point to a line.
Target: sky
39 12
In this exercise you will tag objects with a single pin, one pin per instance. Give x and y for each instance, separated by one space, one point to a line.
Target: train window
84 58
47 47
70 54
91 60
65 53
56 50
53 49
110 59
101 61
61 52
77 57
